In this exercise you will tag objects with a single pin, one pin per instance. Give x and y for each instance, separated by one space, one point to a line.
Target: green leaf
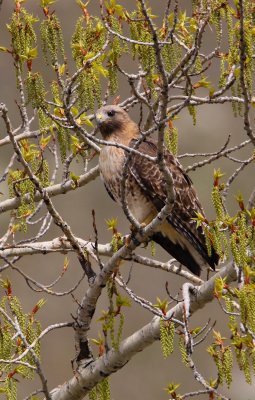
61 69
84 120
122 301
103 71
237 72
162 305
219 285
81 4
46 3
74 177
211 91
32 53
202 83
45 141
172 387
199 218
74 111
120 11
196 330
89 55
111 223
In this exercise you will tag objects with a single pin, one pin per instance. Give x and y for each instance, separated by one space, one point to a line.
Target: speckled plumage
146 190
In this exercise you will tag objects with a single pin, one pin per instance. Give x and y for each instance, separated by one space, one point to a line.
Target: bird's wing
149 177
151 180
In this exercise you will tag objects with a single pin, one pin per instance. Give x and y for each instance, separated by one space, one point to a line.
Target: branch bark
79 385
54 190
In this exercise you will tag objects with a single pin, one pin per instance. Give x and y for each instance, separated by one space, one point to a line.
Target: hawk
146 189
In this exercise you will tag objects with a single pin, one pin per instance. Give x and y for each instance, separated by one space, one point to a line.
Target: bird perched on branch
146 192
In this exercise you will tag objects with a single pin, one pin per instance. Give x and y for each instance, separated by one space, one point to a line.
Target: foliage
18 331
166 337
109 319
171 72
101 391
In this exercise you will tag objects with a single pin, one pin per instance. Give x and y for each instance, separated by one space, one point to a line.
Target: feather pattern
146 190
151 181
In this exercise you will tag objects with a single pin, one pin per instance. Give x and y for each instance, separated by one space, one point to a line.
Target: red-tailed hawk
146 190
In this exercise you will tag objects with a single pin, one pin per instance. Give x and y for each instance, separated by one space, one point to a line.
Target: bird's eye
111 113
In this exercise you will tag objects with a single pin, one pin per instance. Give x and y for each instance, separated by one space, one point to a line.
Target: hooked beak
100 118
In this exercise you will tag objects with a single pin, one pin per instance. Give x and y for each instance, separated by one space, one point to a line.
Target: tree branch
78 386
54 190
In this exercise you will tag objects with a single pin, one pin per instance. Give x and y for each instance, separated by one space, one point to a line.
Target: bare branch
77 387
54 190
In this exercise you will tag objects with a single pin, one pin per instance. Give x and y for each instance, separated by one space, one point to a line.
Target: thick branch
78 386
54 190
59 244
62 245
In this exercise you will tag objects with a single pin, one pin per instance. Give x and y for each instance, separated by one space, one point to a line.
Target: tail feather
193 255
183 255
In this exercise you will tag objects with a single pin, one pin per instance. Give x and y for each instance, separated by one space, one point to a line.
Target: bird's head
115 124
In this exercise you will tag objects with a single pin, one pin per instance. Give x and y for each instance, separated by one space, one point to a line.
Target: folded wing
178 235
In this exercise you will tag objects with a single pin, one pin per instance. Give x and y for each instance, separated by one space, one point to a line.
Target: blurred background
147 374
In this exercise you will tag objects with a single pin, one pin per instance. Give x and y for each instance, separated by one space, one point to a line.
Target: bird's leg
133 235
179 268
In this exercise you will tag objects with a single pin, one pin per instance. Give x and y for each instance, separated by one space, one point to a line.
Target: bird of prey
146 189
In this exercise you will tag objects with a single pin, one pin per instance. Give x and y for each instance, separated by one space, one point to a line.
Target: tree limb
54 190
78 386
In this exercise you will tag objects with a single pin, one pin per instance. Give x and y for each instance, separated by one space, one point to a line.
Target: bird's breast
111 163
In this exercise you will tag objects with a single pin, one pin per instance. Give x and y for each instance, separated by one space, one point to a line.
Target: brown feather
146 190
186 205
